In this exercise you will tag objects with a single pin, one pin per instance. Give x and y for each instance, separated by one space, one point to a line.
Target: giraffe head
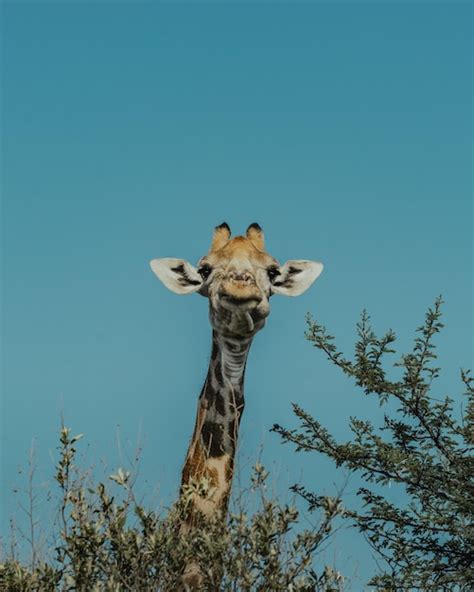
239 277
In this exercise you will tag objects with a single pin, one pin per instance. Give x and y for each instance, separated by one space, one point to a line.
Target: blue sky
131 129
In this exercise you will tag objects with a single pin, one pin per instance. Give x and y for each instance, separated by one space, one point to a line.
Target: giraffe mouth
239 316
248 306
245 302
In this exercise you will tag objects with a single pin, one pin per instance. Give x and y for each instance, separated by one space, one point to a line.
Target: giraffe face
239 277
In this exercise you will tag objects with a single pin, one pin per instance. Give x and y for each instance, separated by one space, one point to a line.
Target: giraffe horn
220 237
255 234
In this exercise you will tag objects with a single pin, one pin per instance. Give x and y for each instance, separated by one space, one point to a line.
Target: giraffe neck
212 450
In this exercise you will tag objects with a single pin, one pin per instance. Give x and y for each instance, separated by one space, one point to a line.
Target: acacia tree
424 446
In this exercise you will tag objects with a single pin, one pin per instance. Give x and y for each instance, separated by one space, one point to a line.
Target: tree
428 542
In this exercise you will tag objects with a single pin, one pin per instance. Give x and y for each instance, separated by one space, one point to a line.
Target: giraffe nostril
243 276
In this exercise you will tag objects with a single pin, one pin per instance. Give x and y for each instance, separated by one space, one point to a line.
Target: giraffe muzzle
241 300
244 303
239 290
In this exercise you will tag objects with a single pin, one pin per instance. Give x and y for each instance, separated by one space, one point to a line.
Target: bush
107 541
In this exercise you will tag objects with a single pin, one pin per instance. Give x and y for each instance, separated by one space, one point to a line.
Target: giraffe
238 276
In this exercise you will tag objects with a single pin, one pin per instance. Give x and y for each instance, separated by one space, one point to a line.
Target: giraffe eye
205 271
272 273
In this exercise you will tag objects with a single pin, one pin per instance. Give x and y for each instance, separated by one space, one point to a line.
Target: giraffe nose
239 287
241 276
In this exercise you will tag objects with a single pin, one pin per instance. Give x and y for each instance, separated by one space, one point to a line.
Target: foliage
427 543
109 542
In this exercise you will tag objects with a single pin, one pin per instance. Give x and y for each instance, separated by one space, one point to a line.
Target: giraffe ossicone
238 276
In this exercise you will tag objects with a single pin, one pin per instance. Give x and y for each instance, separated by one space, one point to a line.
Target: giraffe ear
296 276
177 275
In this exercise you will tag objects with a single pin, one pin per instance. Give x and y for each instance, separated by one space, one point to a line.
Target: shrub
107 541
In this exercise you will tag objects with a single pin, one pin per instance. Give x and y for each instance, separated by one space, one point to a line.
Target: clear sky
131 129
